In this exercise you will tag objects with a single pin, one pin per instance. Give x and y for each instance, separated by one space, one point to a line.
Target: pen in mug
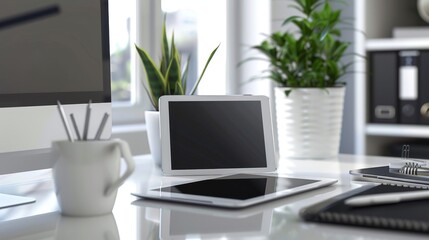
87 117
101 127
76 129
65 122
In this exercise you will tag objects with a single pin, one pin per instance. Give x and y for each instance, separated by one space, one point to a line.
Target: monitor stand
7 200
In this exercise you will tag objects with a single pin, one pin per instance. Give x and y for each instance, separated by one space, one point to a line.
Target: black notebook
408 216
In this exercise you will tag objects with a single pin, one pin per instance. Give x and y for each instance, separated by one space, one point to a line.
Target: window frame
148 18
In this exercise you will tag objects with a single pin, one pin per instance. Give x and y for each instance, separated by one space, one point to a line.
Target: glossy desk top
142 219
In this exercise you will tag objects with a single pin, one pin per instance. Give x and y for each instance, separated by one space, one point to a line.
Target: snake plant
168 78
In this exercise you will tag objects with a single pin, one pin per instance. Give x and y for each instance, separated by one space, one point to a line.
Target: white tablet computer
216 135
235 191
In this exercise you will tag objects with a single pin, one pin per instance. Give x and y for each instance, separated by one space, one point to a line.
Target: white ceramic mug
86 175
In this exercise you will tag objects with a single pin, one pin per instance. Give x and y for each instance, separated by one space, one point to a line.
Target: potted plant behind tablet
306 65
167 78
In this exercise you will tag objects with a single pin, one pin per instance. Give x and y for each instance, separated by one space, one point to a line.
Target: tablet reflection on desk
180 221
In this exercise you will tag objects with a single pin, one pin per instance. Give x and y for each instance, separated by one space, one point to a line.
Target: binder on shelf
407 215
408 87
424 88
384 87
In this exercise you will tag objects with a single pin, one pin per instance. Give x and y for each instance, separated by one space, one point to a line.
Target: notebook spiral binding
406 185
411 168
374 221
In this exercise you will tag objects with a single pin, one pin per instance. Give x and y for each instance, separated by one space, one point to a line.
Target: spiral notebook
407 216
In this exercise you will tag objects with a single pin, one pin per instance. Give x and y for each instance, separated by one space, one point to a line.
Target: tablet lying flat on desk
235 191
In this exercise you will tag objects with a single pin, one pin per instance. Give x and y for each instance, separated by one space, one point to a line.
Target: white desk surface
142 219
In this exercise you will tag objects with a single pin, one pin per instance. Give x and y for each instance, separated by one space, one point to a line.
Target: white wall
136 137
248 23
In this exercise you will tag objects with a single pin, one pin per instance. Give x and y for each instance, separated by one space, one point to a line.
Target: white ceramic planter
423 9
154 135
309 122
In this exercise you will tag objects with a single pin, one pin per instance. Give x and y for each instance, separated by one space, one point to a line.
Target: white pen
386 198
65 122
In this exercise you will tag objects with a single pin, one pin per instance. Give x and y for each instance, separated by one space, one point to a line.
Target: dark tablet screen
216 135
240 186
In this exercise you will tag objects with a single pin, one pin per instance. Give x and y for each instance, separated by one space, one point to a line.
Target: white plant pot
309 122
154 135
423 9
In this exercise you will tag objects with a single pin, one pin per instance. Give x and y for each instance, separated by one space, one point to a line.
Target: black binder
408 87
384 87
407 216
424 88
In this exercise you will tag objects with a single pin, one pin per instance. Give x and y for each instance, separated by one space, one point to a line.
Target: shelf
385 44
396 130
388 25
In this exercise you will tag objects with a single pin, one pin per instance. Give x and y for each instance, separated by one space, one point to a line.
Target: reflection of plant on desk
168 78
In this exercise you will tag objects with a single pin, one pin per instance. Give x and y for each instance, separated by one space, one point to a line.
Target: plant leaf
173 75
179 89
204 70
155 80
165 60
185 74
150 98
287 92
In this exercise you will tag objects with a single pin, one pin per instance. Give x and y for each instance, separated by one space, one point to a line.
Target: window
127 106
121 16
199 27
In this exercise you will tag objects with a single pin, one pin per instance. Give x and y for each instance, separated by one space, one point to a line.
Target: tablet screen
239 187
216 135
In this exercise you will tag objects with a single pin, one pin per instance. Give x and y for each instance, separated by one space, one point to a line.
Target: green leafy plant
167 78
312 56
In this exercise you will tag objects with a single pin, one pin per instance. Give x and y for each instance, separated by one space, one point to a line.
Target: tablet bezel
165 135
233 203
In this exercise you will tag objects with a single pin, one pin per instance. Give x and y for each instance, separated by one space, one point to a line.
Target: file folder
408 87
424 88
384 87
